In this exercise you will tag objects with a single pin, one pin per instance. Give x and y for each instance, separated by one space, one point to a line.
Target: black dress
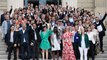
17 42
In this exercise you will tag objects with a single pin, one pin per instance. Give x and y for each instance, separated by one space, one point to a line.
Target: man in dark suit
24 41
101 28
11 42
34 41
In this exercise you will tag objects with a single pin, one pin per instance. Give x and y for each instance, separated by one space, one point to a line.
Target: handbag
97 47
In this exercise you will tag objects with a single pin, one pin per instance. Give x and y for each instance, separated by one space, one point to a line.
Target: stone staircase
103 56
3 54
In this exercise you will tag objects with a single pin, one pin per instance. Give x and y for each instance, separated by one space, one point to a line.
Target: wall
15 4
86 4
3 6
72 3
101 7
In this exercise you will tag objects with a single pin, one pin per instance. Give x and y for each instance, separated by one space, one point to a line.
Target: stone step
3 3
105 52
2 43
105 49
3 56
101 59
2 7
3 46
105 46
2 49
105 42
2 53
102 55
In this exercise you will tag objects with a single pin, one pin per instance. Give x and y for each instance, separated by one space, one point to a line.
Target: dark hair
10 27
55 30
43 28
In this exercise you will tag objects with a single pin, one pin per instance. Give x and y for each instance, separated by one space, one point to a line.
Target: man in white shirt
101 28
34 41
10 37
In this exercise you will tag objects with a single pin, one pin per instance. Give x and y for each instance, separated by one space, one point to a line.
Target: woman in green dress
45 44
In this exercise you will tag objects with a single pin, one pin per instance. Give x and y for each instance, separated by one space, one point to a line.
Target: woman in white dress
96 33
55 41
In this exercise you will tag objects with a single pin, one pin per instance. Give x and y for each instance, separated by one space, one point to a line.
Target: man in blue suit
24 40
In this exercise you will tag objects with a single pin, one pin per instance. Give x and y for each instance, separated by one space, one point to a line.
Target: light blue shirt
83 42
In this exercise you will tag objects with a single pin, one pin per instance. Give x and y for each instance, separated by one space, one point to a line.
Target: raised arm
10 11
104 17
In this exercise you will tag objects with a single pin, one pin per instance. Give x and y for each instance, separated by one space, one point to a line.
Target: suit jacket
87 44
24 35
76 37
15 38
32 36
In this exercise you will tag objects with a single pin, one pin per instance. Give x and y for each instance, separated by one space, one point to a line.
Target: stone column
72 3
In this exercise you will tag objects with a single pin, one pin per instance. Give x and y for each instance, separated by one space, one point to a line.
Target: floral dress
68 52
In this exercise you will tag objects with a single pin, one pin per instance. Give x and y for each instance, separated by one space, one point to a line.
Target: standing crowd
52 31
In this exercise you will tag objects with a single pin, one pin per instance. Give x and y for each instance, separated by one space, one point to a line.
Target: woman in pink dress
68 52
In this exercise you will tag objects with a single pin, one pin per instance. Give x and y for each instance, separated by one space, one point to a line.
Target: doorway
56 2
36 2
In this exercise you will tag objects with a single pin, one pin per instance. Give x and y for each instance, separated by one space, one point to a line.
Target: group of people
52 30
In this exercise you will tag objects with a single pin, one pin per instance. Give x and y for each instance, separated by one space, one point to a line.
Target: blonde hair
67 29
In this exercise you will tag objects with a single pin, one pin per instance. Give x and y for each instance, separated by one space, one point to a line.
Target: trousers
83 53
